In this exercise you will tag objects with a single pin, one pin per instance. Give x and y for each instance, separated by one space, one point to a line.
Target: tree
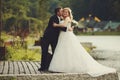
116 8
0 18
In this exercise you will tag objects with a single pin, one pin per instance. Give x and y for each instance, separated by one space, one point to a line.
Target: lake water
107 49
103 42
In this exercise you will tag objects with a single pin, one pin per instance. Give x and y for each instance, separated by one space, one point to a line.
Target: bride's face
65 13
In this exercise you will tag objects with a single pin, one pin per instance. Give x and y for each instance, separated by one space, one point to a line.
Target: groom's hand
58 25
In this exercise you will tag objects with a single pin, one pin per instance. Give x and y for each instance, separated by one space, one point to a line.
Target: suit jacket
51 33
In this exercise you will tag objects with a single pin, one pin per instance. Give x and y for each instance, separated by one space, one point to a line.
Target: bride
71 57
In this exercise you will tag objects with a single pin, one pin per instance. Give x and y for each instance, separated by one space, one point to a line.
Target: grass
97 33
22 54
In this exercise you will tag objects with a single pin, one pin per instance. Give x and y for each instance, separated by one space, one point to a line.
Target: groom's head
58 11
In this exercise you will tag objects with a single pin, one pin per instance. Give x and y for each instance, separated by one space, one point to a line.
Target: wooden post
0 18
2 47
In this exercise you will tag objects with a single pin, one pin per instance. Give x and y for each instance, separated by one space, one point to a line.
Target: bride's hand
70 29
54 24
73 27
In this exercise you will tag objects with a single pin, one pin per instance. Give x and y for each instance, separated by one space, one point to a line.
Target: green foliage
97 33
22 54
19 14
116 8
41 9
18 51
10 23
1 43
88 49
104 9
36 26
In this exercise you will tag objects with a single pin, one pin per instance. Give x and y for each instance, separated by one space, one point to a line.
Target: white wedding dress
71 57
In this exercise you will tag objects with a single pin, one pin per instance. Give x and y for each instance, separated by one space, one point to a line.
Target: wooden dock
19 67
28 70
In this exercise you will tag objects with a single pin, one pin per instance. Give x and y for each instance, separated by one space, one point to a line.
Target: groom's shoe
42 69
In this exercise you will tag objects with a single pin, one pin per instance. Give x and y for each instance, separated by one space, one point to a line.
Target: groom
50 37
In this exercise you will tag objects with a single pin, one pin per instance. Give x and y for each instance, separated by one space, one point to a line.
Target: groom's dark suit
50 37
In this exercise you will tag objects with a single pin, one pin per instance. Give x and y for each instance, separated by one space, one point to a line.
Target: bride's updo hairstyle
70 12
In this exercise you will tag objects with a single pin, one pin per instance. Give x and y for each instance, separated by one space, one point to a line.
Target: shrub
22 54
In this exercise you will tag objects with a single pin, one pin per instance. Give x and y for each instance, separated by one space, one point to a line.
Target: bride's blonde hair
70 12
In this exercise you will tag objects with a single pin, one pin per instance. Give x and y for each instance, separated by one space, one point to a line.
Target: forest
31 16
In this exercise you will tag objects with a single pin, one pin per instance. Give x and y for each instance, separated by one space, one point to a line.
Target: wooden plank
21 67
5 67
31 69
37 64
42 72
35 67
16 69
26 70
1 67
5 70
11 69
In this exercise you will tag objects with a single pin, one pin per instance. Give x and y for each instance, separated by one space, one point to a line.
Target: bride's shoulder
67 19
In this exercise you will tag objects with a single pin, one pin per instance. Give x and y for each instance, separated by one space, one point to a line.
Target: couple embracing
68 55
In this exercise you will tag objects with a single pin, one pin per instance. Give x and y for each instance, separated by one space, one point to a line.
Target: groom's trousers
46 57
